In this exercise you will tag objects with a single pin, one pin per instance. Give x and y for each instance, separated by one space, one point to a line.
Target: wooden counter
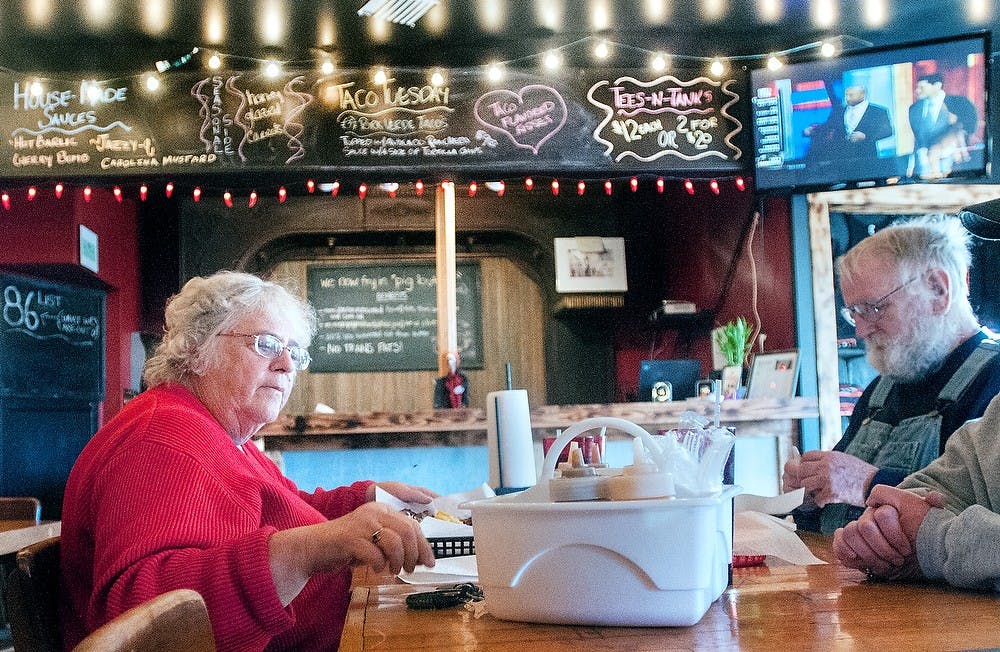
468 425
821 607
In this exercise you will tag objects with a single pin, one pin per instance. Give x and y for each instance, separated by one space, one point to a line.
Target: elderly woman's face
242 389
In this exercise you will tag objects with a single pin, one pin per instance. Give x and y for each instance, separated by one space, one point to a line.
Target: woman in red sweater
169 493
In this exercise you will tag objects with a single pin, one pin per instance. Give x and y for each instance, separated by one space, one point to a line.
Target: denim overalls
911 444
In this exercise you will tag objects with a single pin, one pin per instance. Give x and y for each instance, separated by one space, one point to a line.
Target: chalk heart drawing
528 117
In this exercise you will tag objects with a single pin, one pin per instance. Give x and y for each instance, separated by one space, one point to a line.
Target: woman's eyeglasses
270 346
869 311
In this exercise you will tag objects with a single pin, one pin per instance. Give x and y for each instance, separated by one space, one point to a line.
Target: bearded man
905 289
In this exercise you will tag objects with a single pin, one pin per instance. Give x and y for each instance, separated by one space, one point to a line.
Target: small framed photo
774 375
590 264
732 380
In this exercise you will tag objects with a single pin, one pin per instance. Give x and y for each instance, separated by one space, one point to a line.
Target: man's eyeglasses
870 310
270 346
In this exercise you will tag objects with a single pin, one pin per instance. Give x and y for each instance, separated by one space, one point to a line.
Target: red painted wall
46 230
693 242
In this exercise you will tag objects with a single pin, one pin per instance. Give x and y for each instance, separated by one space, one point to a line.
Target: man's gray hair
209 305
915 246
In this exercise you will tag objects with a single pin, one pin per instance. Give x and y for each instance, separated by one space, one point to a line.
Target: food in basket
440 515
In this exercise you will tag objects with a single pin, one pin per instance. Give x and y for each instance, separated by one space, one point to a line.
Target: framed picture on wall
590 264
774 374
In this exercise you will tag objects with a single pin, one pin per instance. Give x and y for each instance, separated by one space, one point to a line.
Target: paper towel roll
508 438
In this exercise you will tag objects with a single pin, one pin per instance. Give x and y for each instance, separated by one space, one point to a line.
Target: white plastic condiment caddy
651 562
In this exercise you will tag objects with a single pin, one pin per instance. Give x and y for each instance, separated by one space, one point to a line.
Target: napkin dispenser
651 562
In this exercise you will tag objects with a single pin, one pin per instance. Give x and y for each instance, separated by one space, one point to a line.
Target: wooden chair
32 598
20 509
176 621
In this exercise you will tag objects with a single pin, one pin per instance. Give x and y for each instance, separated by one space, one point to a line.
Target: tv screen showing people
908 112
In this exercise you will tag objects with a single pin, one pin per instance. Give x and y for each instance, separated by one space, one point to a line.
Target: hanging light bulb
717 67
659 185
252 200
169 189
501 189
391 189
362 190
555 186
607 187
633 183
59 190
714 185
741 185
143 192
473 187
419 187
529 183
689 186
335 189
581 187
282 195
227 198
87 192
5 199
196 194
32 191
117 192
310 186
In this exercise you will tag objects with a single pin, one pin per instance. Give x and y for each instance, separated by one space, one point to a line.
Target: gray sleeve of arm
962 549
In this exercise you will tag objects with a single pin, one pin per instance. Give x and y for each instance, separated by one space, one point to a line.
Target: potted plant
734 340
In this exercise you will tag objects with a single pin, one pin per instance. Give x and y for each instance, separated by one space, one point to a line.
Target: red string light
32 191
689 186
714 185
143 192
501 188
87 192
741 185
362 190
311 186
529 183
335 189
393 189
169 189
227 198
607 187
659 185
118 194
555 186
419 185
633 184
196 194
282 195
59 190
252 201
581 187
5 199
473 187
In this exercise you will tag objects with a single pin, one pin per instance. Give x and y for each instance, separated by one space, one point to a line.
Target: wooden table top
15 535
780 608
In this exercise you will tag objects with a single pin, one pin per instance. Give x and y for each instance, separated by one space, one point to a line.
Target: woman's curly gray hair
209 305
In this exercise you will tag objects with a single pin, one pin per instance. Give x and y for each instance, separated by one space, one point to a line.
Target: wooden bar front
820 607
778 418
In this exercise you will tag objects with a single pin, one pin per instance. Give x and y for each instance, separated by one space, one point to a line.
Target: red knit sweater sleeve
164 500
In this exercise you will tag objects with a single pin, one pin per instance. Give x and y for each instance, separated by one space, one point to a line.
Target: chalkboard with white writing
384 317
51 339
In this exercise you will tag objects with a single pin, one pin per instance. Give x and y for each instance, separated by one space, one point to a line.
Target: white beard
918 350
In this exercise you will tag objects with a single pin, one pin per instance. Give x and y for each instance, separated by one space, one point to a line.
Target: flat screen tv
683 376
908 112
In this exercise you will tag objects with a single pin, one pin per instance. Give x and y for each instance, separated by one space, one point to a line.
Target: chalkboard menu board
51 339
586 120
384 317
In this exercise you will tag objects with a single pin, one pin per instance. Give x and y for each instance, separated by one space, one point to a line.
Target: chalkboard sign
51 339
585 121
384 317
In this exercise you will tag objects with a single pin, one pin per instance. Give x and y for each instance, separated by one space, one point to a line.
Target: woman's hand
405 492
373 534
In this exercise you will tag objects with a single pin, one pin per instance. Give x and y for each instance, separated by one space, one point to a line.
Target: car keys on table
445 597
